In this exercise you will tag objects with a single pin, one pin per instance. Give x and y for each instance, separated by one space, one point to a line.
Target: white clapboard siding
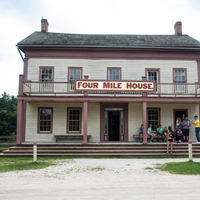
97 69
59 120
135 119
93 127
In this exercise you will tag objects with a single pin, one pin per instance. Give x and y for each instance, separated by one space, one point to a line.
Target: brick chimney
178 28
44 25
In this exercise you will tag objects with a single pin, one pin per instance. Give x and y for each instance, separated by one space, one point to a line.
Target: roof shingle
87 40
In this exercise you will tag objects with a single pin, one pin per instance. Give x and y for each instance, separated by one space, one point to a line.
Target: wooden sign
115 86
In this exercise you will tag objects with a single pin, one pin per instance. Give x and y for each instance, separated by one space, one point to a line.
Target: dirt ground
100 179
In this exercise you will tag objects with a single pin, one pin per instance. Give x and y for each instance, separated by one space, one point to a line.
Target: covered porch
98 114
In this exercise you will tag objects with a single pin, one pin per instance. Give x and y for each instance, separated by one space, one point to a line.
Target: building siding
97 69
59 121
134 119
94 121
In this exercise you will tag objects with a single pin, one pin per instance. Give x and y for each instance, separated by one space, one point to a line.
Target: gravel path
100 179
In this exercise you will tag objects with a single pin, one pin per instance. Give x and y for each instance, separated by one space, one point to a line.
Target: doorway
182 113
113 125
114 122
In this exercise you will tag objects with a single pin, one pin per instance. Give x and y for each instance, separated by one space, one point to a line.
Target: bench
71 137
148 137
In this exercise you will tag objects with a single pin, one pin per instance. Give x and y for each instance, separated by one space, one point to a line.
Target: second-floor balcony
68 89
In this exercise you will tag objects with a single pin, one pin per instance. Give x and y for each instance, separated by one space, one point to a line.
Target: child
159 132
141 132
165 131
149 132
179 129
170 136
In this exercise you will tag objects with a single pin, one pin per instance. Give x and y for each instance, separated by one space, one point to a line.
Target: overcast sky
20 18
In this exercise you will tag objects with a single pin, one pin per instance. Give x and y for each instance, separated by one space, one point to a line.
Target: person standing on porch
197 127
186 128
170 136
149 132
179 129
141 132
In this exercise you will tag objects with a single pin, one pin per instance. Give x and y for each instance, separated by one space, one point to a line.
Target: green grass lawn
185 168
8 164
9 144
3 148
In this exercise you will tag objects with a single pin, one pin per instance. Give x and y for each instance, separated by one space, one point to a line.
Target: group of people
182 132
183 129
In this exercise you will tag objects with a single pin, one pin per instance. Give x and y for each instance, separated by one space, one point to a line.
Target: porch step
125 150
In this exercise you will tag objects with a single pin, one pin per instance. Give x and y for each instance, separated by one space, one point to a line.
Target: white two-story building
105 86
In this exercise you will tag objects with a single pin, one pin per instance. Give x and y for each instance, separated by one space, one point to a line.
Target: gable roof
91 40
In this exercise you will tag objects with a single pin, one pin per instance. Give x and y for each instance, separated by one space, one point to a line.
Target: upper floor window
74 73
114 73
46 76
153 76
45 120
179 77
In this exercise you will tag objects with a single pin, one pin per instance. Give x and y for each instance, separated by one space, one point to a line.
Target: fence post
34 152
190 150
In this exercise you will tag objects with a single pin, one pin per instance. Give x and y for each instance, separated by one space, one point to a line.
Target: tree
8 114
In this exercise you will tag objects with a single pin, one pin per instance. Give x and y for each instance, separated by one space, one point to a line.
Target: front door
113 125
114 122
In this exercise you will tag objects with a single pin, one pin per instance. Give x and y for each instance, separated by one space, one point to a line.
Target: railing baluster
69 88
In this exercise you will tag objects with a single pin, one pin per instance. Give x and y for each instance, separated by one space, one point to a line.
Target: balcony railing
67 88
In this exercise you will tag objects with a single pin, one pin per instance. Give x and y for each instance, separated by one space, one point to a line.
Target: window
46 77
179 77
153 76
45 120
74 120
75 73
114 73
153 117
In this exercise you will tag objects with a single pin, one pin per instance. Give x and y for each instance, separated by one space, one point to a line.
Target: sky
20 18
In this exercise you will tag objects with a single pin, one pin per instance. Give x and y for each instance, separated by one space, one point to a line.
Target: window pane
153 118
179 77
113 108
45 120
152 76
46 75
105 123
114 74
74 120
122 123
74 74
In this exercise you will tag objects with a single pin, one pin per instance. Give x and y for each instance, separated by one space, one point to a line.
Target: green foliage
181 167
8 114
